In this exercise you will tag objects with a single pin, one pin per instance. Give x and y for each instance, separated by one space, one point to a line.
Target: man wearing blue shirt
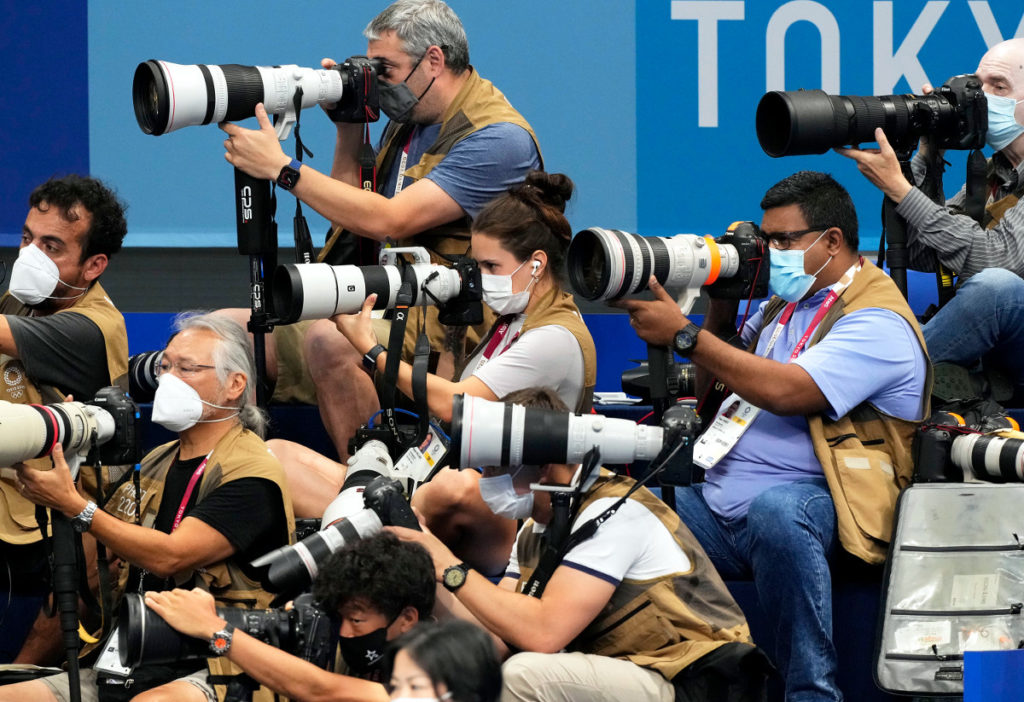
813 446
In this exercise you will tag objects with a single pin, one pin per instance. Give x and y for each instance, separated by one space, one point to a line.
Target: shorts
58 685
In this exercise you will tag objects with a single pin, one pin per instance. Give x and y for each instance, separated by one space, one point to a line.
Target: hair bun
553 189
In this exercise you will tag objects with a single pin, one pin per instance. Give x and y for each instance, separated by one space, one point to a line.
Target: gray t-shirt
65 350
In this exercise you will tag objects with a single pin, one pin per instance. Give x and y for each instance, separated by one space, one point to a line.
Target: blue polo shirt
870 355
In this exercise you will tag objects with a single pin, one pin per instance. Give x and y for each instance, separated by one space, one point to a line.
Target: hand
358 328
255 151
440 554
881 167
51 488
191 612
655 321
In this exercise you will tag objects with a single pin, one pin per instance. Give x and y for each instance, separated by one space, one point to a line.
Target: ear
235 385
542 257
435 60
94 266
407 619
836 240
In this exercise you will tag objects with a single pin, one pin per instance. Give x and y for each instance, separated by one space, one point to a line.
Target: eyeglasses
781 241
185 370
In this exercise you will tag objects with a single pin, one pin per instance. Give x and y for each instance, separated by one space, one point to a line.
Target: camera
637 381
168 96
142 375
369 500
320 290
305 631
952 447
811 121
110 422
486 433
607 264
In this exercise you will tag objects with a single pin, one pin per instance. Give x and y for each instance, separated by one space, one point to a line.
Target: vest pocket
869 486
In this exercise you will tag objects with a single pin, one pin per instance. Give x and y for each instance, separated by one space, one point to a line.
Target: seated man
984 319
59 335
832 387
207 504
379 587
638 605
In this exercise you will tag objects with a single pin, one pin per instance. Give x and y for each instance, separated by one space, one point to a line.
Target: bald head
1001 69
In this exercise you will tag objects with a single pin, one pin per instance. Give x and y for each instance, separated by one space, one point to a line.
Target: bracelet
370 359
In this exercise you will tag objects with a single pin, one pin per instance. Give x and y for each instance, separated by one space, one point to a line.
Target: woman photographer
453 661
519 241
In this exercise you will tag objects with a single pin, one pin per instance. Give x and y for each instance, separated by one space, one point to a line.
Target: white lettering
889 66
987 23
707 14
246 204
775 43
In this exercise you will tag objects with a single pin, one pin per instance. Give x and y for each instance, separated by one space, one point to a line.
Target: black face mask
364 653
396 99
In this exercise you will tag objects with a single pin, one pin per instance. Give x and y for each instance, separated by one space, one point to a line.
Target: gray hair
232 355
420 24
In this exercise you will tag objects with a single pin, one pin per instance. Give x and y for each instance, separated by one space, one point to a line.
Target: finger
368 305
927 88
883 142
659 292
328 62
261 117
230 128
69 398
628 305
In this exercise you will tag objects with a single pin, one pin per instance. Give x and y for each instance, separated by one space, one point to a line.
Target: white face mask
442 698
177 406
498 295
34 277
500 494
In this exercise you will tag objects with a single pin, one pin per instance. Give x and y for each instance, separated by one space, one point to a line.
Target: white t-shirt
548 356
615 552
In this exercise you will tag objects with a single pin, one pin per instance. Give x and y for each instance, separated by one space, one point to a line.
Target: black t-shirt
65 350
249 512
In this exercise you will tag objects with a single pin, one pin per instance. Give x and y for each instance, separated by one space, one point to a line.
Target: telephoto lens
988 457
486 433
142 375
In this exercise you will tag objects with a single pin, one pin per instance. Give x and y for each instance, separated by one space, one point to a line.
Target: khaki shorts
58 685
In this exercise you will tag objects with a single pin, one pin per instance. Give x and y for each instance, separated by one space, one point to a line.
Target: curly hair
531 217
108 227
389 574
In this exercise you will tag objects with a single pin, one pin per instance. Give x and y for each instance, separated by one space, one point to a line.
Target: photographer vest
557 307
865 455
239 454
665 623
18 515
478 104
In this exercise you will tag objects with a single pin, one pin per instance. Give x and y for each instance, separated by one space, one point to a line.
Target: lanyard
400 180
196 475
496 338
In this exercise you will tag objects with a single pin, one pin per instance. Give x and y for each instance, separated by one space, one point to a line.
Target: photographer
60 335
519 240
379 587
205 505
825 446
453 144
641 572
984 319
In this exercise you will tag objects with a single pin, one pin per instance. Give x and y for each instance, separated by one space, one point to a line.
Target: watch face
221 641
288 178
454 577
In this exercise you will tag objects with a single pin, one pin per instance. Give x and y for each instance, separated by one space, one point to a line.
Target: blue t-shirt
478 168
870 355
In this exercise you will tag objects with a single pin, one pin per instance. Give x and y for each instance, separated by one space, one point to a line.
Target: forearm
448 606
7 345
515 618
295 678
720 320
365 213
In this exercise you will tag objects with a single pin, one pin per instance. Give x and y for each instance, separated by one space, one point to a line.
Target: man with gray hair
454 143
204 507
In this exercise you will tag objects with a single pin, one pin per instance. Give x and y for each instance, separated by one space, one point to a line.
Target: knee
788 509
324 346
994 281
449 492
518 679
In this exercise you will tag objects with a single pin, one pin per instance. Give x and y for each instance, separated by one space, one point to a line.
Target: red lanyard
818 316
496 338
196 475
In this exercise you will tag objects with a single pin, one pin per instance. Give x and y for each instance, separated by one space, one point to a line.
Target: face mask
396 100
500 495
1002 125
445 696
497 292
362 653
34 277
177 406
787 277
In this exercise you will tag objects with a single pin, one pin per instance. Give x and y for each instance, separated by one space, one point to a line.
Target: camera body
751 277
125 446
360 99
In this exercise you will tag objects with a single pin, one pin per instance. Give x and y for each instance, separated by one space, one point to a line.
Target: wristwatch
220 642
686 339
455 576
289 175
370 358
83 520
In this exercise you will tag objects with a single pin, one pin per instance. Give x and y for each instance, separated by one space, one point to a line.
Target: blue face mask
788 278
1002 125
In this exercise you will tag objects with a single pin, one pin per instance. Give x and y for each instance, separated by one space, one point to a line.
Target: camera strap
303 241
396 339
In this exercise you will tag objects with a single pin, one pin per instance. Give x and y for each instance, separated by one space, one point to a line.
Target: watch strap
83 520
460 573
370 358
289 175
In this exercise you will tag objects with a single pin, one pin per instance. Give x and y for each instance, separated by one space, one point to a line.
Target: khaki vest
665 623
478 104
559 307
866 454
18 515
239 454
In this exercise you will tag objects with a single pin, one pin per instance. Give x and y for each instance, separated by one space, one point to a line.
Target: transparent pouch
956 581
